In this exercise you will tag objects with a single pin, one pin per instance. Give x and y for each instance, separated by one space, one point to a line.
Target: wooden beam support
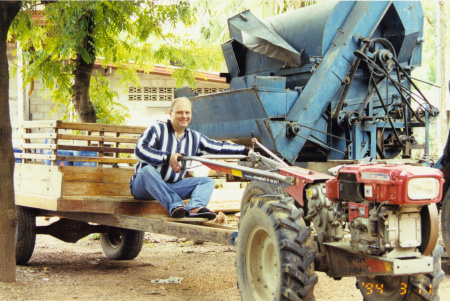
36 156
97 159
36 146
96 127
161 226
36 201
99 149
36 136
97 138
35 124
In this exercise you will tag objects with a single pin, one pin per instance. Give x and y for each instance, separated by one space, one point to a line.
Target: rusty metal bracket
69 230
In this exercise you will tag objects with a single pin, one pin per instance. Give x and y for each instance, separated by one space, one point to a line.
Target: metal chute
256 36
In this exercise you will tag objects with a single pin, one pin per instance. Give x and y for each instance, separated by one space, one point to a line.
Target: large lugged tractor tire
25 234
445 221
122 244
258 187
418 287
274 259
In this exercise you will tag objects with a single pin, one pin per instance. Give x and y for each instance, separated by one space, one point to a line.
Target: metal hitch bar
240 171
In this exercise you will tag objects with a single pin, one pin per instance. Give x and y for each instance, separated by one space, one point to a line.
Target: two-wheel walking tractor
376 222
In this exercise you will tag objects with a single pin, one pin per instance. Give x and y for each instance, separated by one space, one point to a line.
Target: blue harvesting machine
330 81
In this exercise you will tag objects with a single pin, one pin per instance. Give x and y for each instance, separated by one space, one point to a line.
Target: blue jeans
149 185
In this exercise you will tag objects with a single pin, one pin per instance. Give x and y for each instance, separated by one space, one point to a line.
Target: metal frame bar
248 170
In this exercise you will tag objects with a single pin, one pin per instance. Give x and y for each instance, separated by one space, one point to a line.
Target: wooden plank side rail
44 141
108 160
81 189
101 189
93 127
90 190
89 181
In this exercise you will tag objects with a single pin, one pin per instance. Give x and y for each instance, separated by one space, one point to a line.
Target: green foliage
214 28
271 8
427 71
430 55
131 35
102 96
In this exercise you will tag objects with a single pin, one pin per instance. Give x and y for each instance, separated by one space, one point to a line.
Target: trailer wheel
258 187
122 244
417 287
274 259
25 234
445 220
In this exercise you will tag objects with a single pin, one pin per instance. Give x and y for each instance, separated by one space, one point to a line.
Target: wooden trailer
80 173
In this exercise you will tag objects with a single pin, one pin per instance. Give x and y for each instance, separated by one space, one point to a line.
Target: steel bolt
347 80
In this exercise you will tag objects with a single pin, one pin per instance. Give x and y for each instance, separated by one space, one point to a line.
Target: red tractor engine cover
396 184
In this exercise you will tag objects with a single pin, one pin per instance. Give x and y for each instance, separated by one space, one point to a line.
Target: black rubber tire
122 244
445 221
258 187
422 283
274 258
25 234
419 287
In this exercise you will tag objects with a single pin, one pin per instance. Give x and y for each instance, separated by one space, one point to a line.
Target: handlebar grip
183 162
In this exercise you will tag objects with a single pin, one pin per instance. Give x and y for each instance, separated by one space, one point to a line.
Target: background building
147 103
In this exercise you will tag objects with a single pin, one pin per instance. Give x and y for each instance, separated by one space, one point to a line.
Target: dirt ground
62 271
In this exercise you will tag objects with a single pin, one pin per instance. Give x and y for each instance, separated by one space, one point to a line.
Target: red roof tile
164 71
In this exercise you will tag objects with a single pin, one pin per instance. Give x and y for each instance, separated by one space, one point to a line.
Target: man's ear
170 113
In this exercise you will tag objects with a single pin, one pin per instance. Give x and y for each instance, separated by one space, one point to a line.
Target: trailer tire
274 259
25 234
445 221
418 287
122 244
258 187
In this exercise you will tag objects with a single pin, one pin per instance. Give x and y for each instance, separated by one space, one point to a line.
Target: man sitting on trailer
158 173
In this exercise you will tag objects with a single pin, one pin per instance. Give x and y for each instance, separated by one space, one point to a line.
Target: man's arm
221 148
145 148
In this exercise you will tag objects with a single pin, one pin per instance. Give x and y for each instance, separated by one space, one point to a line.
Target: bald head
177 100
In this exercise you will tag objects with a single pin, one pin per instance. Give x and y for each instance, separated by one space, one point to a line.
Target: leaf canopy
132 35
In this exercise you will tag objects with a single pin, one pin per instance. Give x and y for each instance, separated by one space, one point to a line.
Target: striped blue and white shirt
160 141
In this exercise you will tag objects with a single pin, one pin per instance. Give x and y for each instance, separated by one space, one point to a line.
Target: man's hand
173 162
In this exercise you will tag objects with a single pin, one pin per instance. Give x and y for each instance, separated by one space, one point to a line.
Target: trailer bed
97 193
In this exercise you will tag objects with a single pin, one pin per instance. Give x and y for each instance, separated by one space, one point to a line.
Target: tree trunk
83 72
80 98
8 11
